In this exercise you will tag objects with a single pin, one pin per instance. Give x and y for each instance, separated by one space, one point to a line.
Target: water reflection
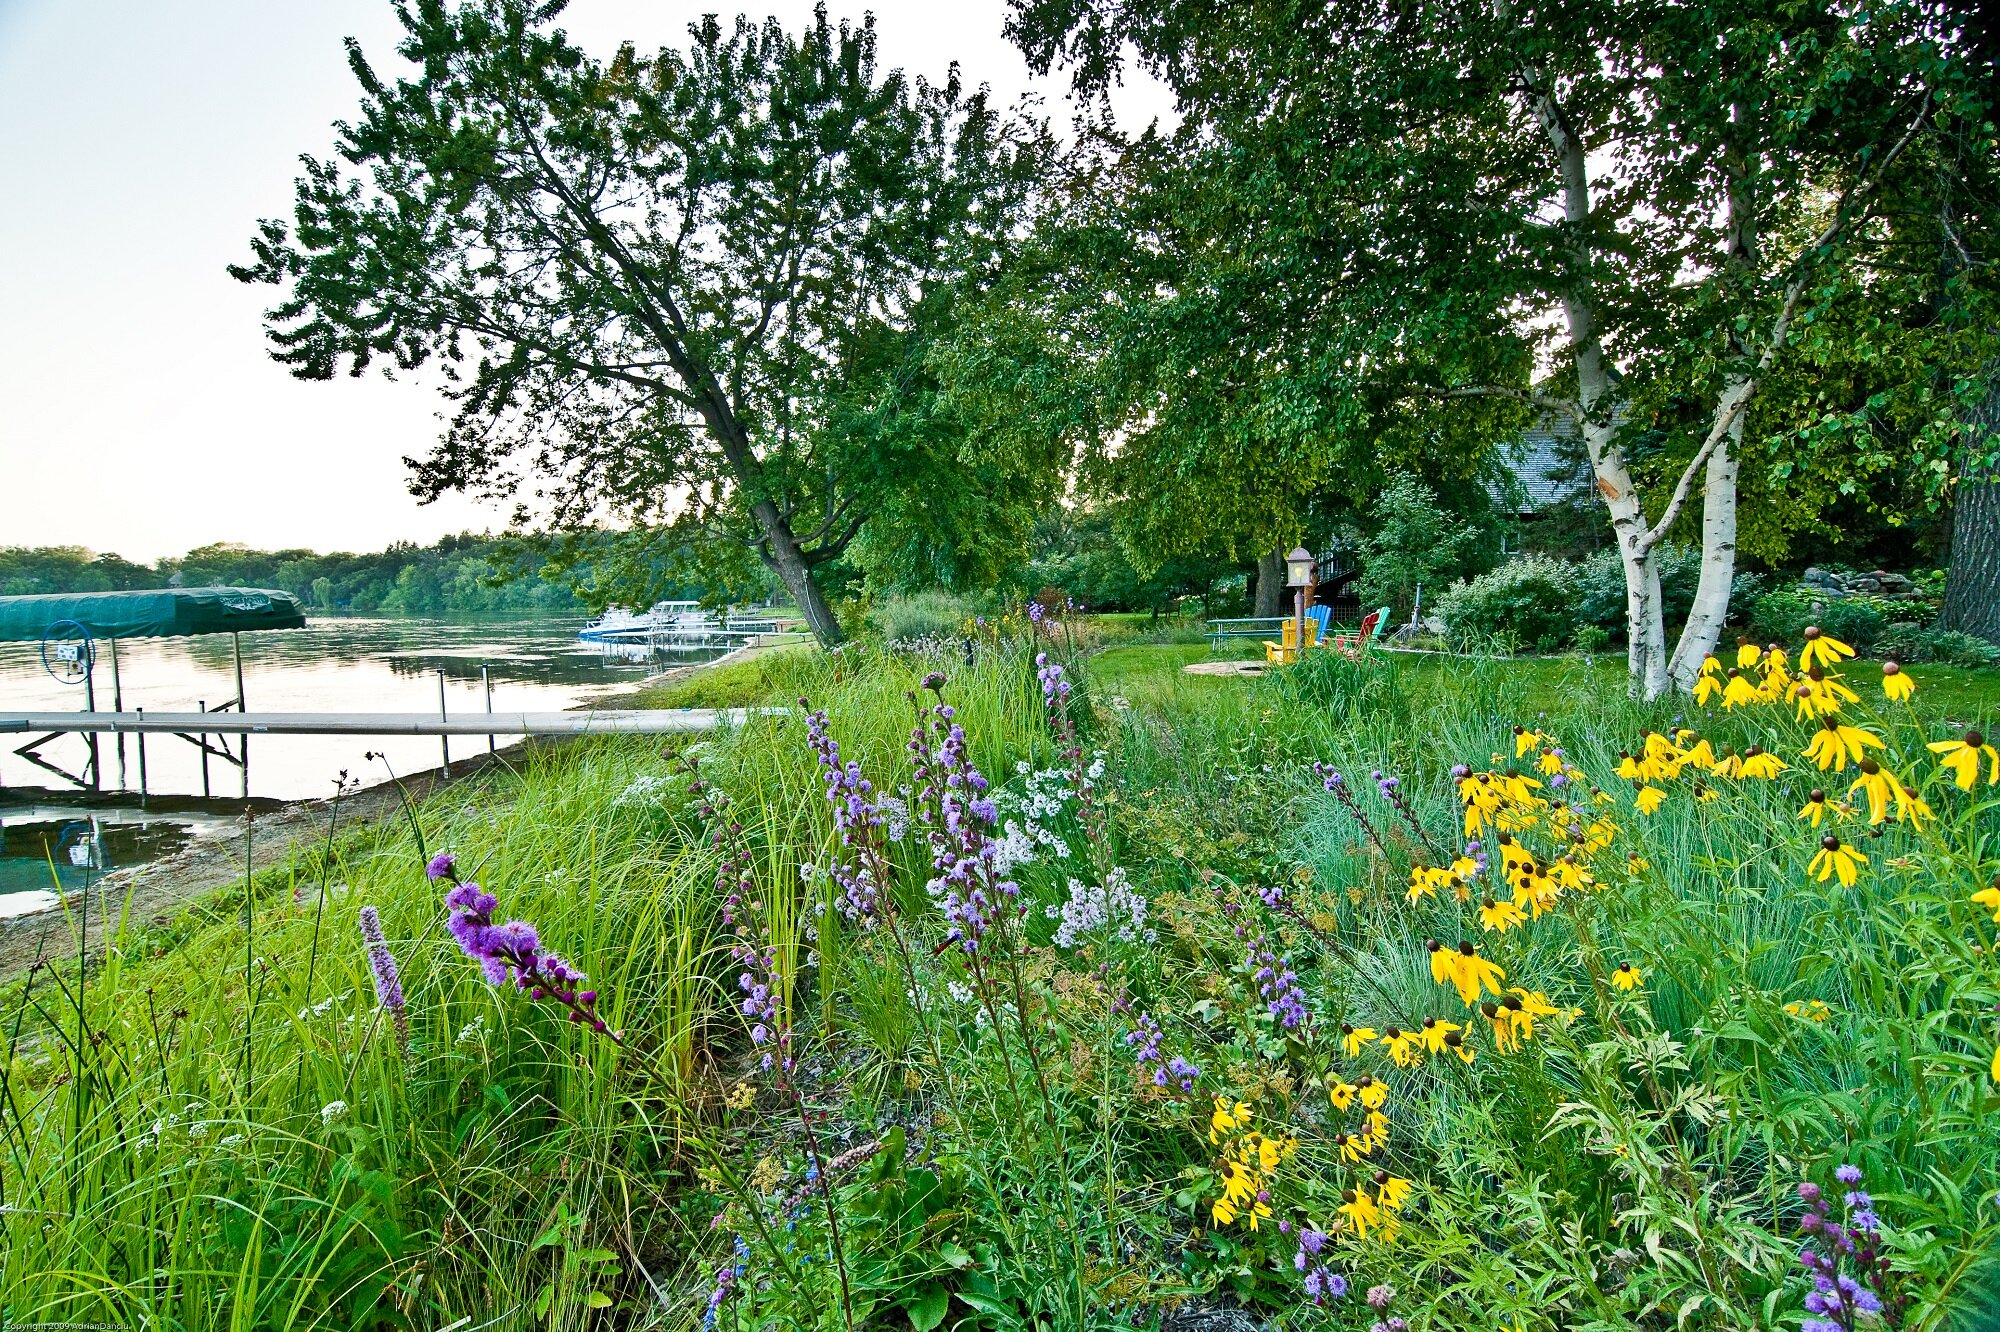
332 665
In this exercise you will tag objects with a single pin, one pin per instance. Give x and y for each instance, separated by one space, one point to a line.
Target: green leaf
928 1309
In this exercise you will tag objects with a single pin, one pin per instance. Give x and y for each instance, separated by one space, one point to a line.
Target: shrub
1531 599
934 614
1412 541
1782 616
1600 587
1948 647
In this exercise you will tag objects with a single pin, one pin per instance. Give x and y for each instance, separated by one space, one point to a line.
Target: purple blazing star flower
388 981
512 952
441 866
1848 1174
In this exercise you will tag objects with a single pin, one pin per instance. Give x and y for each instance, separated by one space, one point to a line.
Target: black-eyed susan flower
1341 1094
1961 757
1897 686
1352 1038
1405 1047
1990 899
1815 807
1525 740
1391 1192
1708 684
1739 692
1822 649
1746 653
1627 977
1729 765
1809 1010
1501 916
1649 799
1470 972
1628 767
1373 1093
1701 754
1879 785
1454 1043
1761 764
1361 1211
1434 1033
1836 858
1910 806
1835 742
1996 1065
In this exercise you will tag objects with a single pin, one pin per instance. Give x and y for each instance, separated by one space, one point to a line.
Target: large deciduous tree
689 288
1647 200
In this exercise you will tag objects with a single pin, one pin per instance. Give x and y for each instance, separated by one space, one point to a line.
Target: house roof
1543 461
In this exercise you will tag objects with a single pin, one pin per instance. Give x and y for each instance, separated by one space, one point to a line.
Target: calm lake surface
334 664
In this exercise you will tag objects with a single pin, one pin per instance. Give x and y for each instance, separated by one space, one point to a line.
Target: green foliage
1600 586
1530 600
933 615
1407 540
1917 643
722 268
466 574
1782 616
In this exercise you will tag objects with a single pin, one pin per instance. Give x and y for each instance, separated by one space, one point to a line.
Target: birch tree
1649 199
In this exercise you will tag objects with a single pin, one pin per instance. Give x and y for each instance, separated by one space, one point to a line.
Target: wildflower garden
1007 987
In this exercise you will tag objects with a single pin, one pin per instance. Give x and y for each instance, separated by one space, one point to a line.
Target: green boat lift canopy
163 613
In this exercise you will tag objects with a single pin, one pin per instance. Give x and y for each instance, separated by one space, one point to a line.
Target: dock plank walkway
646 721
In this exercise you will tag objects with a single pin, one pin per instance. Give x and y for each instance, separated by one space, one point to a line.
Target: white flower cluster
1112 909
1043 795
647 789
333 1112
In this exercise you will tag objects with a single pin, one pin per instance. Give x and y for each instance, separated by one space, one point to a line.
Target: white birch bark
1718 544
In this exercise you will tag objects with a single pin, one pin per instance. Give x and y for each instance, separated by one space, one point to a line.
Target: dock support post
486 683
142 760
118 705
90 705
444 741
203 705
241 707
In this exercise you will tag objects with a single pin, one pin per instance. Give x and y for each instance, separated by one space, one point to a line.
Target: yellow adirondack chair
1286 649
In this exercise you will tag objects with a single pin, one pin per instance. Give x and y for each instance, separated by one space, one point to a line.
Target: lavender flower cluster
857 817
388 981
1269 971
1322 1283
959 817
1378 1300
511 951
1173 1072
1839 1298
750 946
726 1277
1055 699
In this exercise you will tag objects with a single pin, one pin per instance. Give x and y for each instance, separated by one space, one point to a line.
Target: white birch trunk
1718 545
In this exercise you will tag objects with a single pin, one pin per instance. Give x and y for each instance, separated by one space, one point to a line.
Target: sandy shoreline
150 894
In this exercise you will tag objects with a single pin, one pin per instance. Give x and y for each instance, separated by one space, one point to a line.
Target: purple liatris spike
388 981
442 865
512 952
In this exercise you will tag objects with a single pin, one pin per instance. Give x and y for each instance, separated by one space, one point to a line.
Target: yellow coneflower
1361 1211
1897 686
1962 756
1836 858
1628 767
1501 916
1822 649
1739 692
1627 977
1701 755
1525 740
1536 894
1989 898
1729 765
1879 785
1469 972
1341 1094
1814 808
1649 799
1455 1043
1809 1010
1403 1046
1746 653
1761 764
1373 1093
1435 1032
1835 742
1707 685
1353 1038
1911 807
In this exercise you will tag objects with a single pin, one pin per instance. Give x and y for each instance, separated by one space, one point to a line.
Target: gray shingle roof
1546 464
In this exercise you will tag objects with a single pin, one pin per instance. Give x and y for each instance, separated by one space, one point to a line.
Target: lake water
332 665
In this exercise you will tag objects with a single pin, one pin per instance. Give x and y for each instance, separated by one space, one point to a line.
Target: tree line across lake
458 575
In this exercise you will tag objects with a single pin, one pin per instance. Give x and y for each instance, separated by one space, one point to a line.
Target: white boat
666 619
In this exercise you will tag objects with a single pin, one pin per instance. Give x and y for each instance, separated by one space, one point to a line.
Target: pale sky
140 141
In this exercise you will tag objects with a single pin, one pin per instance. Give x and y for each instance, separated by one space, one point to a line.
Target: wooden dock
647 721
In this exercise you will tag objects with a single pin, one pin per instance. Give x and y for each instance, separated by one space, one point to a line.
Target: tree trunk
782 554
1270 584
1972 585
1718 551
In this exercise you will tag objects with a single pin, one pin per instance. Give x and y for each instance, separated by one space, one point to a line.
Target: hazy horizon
142 414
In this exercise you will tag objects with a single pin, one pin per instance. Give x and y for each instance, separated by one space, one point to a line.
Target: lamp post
1299 575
